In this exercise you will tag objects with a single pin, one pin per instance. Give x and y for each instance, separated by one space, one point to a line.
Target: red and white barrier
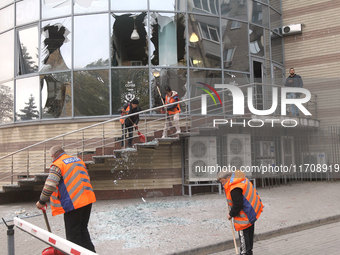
52 239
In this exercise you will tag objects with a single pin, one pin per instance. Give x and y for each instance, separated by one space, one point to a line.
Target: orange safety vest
252 205
169 100
127 110
74 189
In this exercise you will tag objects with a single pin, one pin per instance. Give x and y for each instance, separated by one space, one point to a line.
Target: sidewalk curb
229 244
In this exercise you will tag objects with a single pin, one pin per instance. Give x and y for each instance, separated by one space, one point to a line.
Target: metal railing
102 137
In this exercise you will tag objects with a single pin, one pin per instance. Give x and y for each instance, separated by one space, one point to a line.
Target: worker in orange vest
172 111
245 206
70 193
130 122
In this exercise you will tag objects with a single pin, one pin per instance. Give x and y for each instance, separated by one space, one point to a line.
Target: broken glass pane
88 6
55 45
168 39
55 8
130 5
56 95
127 48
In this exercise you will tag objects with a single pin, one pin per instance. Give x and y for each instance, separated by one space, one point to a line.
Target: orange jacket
127 110
173 109
74 189
252 205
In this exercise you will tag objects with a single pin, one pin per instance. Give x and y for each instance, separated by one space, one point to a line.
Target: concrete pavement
184 225
319 240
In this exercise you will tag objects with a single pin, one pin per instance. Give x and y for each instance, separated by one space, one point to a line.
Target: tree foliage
29 112
6 104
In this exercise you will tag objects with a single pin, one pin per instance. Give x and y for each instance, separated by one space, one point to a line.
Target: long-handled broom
232 230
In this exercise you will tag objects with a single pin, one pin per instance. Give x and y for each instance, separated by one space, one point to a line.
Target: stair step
15 187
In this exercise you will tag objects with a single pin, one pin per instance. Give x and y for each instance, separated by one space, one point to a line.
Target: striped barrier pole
51 239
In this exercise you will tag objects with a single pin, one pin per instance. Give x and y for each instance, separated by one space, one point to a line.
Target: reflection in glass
168 39
28 50
275 21
204 6
259 13
91 41
27 99
207 51
128 84
6 102
266 42
276 4
126 51
88 6
130 5
7 55
256 40
236 79
234 9
7 18
197 79
55 8
235 45
55 45
5 2
169 5
277 49
278 75
176 79
27 11
56 95
91 93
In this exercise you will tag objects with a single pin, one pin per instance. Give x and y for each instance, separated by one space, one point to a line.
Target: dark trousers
247 240
124 131
76 227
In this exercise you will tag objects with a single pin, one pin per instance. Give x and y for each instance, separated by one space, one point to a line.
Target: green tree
6 104
26 64
29 112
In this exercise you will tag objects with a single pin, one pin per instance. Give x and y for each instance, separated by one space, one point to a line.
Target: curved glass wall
85 58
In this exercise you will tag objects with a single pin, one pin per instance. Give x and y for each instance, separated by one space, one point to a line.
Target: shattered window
55 8
56 95
28 50
88 6
168 39
119 5
129 40
55 45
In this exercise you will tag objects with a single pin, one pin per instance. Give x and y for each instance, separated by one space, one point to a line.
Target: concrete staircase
101 161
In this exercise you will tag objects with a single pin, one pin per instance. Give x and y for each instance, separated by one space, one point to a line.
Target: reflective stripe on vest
169 100
127 110
252 205
74 189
